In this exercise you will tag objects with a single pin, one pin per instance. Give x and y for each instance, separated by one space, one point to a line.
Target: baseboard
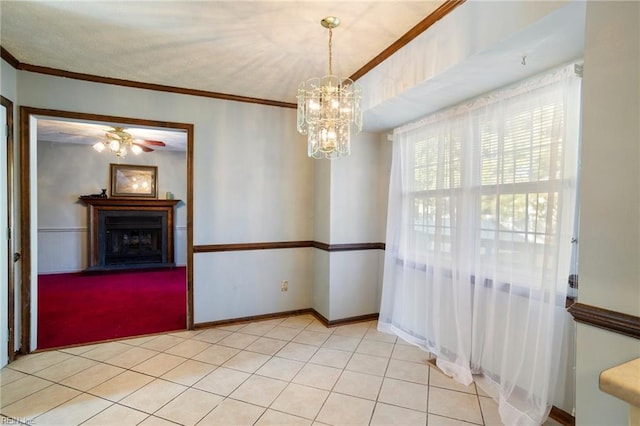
251 318
562 416
311 311
343 321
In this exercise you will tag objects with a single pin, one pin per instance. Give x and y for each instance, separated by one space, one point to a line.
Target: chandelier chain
330 51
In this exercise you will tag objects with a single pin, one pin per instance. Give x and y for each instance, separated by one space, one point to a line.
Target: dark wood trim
562 416
11 295
210 248
251 246
107 118
442 11
25 231
311 311
190 179
251 318
25 201
418 29
129 203
151 86
11 60
348 246
344 321
617 322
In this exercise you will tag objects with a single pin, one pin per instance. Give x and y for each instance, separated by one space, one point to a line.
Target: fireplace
132 238
130 234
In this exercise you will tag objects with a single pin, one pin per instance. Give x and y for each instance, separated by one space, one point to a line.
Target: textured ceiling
257 49
263 49
88 133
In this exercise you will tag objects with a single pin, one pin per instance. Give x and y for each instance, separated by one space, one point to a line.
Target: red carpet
81 308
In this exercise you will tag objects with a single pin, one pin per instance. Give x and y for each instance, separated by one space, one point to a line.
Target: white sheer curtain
479 239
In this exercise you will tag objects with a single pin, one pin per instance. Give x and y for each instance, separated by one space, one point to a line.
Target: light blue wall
9 89
238 284
68 170
610 206
350 207
252 183
8 82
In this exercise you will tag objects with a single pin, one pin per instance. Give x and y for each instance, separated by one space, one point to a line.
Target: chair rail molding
617 322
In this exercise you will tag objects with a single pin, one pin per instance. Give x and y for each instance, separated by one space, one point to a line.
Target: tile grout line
185 358
315 419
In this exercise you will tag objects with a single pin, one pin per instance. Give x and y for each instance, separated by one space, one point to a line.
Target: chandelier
118 142
329 109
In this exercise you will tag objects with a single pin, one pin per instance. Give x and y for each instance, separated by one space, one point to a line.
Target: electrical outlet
284 285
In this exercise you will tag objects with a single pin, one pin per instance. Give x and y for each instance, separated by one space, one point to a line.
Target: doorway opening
60 165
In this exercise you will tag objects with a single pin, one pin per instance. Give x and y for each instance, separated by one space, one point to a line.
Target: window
483 186
482 204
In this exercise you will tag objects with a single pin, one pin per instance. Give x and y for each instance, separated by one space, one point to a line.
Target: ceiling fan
120 142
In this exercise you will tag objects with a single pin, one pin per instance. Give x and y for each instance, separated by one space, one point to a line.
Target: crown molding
15 63
442 11
439 13
11 60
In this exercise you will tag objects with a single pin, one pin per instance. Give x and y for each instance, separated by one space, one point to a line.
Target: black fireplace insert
129 239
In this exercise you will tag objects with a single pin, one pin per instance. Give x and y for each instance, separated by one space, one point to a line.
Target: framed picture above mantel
133 181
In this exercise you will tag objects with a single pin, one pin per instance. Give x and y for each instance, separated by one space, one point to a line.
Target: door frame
11 301
26 115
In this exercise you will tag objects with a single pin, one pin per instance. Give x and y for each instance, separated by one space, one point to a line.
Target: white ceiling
556 39
259 49
263 49
88 133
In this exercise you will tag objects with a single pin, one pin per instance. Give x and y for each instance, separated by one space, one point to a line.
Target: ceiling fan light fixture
119 142
122 152
114 145
99 146
329 109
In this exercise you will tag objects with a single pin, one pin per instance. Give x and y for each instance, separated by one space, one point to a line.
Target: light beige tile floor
274 372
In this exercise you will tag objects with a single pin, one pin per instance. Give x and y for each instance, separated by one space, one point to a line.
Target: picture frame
134 181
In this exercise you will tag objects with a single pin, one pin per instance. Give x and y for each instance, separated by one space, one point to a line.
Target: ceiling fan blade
144 148
151 142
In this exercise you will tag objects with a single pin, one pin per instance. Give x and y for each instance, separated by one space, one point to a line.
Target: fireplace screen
132 238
